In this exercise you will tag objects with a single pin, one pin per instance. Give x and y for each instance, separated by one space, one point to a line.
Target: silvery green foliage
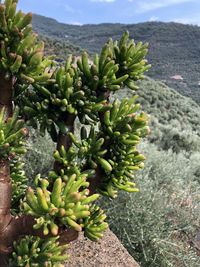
38 158
159 224
174 119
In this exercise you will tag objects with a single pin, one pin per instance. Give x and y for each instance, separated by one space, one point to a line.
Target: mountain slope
174 119
174 48
60 49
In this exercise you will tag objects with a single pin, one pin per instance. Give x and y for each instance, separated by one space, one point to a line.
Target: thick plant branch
5 181
96 180
64 139
6 86
4 260
5 195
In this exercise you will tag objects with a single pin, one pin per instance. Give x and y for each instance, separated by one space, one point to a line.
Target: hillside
174 48
174 119
60 49
167 105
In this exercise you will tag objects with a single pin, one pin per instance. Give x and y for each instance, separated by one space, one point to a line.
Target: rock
177 77
108 252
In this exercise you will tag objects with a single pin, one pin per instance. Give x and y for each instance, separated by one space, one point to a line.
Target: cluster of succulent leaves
20 52
52 97
12 135
113 146
64 199
19 183
33 251
80 86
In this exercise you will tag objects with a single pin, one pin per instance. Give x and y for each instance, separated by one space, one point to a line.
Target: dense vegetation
99 160
174 118
60 49
174 48
159 226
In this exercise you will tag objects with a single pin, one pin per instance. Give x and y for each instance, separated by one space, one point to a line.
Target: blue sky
123 11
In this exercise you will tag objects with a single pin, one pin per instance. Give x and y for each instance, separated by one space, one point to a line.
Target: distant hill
174 48
59 48
174 118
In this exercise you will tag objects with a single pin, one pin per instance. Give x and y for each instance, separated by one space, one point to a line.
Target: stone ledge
108 252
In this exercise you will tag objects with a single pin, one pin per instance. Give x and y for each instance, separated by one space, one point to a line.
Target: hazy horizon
80 12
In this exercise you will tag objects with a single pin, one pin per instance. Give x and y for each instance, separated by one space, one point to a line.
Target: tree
36 221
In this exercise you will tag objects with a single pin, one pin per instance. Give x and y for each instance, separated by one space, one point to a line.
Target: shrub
159 225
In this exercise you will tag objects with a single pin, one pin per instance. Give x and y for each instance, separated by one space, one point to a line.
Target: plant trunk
4 260
96 180
64 140
5 181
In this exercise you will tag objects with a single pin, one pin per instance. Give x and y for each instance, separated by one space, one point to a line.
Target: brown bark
96 180
6 87
68 234
64 139
5 181
5 195
4 260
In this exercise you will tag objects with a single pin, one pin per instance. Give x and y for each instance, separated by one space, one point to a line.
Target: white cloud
145 6
195 20
153 18
77 23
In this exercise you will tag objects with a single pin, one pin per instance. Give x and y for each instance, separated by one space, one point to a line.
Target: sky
81 12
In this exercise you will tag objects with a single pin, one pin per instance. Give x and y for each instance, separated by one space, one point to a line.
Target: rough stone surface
108 252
